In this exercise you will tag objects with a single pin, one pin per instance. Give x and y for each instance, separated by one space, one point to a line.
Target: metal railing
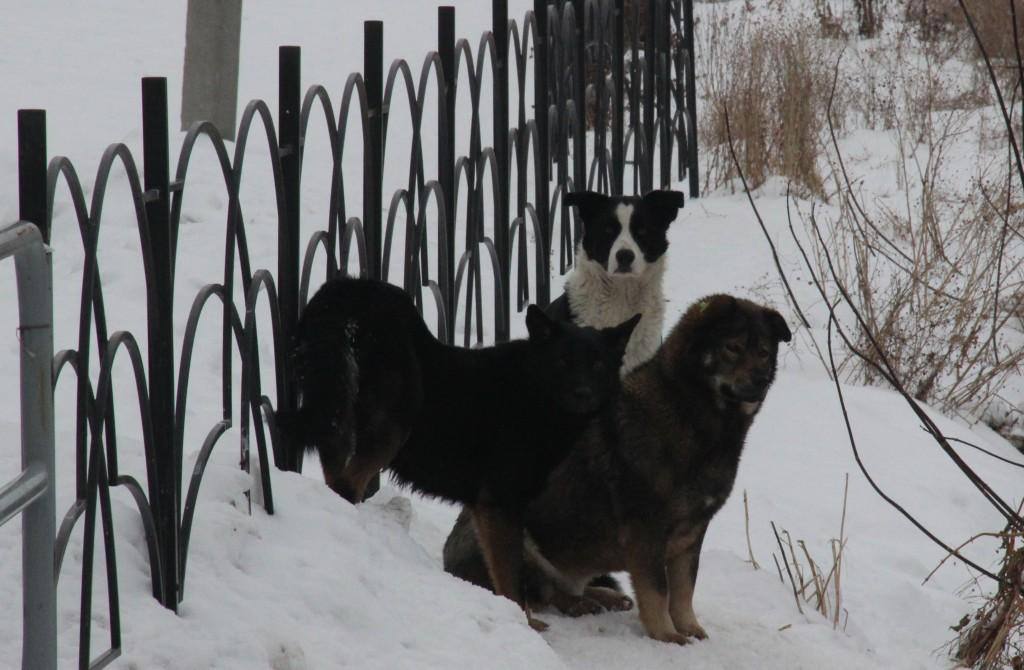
31 493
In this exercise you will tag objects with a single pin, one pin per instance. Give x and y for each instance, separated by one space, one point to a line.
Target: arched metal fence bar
102 472
622 76
400 198
318 94
252 394
61 169
195 132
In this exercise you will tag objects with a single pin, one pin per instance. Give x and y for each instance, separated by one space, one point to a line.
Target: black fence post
618 104
446 150
499 28
32 169
373 159
691 100
166 499
579 94
635 75
288 110
650 58
543 148
373 175
663 90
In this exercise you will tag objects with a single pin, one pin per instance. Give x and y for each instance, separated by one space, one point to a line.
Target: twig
746 524
788 572
778 567
961 546
982 450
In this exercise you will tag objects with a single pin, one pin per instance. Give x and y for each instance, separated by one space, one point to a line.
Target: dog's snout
583 396
624 257
583 393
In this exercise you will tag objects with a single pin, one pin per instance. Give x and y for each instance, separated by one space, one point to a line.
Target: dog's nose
624 257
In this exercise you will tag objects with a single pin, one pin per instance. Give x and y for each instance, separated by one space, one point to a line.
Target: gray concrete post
209 89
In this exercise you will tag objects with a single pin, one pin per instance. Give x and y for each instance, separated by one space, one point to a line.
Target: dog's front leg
682 577
646 564
501 540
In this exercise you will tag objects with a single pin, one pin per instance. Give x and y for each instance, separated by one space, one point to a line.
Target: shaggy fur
620 264
645 480
482 427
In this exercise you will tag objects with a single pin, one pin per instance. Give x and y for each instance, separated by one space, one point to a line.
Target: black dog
482 427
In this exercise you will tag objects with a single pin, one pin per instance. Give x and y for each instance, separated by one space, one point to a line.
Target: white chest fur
601 300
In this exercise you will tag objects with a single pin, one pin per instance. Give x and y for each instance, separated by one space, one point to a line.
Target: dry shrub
772 79
993 637
943 20
939 282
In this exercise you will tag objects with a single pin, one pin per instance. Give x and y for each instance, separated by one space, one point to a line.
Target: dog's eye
734 348
764 352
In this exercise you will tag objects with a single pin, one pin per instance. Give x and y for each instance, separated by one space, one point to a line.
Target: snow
322 584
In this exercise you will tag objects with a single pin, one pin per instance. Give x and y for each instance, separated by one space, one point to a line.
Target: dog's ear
712 308
618 336
538 324
663 205
693 331
778 325
589 203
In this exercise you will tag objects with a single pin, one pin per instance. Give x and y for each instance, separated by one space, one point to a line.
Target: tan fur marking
680 571
501 540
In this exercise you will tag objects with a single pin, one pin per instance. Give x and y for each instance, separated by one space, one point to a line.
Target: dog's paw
610 599
693 630
620 603
582 607
673 637
537 624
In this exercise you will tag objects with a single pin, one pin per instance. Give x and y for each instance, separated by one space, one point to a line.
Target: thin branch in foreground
860 463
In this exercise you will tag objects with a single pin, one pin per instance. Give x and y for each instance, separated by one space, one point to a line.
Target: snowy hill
322 584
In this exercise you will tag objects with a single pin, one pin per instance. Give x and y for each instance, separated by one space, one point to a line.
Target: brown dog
639 490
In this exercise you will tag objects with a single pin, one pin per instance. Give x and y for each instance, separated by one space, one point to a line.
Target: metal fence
620 73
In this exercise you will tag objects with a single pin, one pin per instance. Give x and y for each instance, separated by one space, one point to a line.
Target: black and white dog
619 266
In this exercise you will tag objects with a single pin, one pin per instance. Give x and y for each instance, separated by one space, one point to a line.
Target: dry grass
774 82
943 20
812 584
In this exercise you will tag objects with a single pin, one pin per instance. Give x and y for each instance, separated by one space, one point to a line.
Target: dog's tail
326 374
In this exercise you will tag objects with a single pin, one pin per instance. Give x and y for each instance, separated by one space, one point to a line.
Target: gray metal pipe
32 492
